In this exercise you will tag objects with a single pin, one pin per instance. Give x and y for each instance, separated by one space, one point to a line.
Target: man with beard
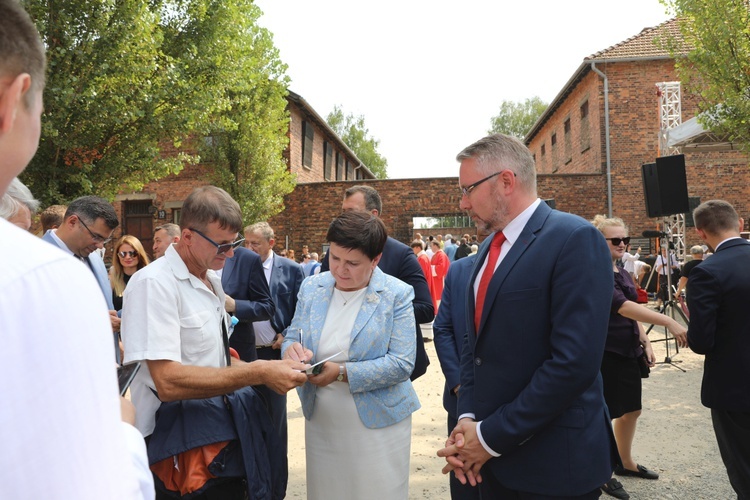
532 419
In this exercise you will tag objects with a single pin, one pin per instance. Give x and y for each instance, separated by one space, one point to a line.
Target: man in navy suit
247 297
87 226
718 290
399 261
284 278
450 330
532 417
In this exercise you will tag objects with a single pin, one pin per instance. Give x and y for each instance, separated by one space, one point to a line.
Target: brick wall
311 207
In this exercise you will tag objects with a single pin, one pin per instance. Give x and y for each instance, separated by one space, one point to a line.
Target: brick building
588 152
571 136
314 154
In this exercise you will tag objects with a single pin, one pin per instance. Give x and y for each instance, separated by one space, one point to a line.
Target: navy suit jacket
286 279
244 281
450 328
531 372
399 261
718 291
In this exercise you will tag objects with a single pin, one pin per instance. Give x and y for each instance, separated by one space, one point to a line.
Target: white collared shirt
170 314
264 332
512 231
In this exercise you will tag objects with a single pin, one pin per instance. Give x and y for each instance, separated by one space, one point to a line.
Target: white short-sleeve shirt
170 314
60 423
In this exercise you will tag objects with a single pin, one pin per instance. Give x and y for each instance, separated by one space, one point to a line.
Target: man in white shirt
174 320
62 423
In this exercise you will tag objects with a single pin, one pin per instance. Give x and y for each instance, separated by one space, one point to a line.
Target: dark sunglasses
616 241
223 248
132 253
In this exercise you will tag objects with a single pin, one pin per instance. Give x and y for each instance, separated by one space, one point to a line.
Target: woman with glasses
626 347
129 257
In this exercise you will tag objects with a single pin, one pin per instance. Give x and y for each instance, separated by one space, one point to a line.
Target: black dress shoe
642 472
614 488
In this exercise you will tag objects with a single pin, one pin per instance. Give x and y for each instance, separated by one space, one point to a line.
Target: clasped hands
464 453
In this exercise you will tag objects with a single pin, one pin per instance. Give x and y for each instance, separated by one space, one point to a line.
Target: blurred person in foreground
358 408
64 429
717 292
532 419
626 348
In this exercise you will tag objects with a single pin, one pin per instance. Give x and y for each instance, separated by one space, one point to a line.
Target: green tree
133 87
352 130
717 64
247 138
517 118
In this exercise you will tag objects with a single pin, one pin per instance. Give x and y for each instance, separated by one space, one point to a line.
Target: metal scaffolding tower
670 112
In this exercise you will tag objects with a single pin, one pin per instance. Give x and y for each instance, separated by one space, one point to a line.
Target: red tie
484 282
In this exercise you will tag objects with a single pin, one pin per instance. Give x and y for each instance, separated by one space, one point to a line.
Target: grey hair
172 229
16 196
497 152
262 228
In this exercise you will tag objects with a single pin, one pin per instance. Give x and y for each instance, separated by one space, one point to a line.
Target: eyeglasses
132 254
223 248
616 241
97 238
466 191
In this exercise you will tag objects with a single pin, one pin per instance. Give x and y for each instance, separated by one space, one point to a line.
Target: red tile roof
650 43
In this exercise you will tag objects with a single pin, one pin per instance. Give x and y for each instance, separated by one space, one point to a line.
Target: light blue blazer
382 347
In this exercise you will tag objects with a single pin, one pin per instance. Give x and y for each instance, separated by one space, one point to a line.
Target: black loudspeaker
550 203
665 186
693 201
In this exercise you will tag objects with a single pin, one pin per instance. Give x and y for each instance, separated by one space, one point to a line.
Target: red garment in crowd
424 261
440 263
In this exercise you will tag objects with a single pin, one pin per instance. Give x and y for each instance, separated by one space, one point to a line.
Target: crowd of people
538 333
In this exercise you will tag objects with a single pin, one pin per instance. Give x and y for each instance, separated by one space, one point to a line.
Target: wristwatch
340 378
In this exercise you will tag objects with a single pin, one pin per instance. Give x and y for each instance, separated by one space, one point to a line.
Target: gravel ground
675 437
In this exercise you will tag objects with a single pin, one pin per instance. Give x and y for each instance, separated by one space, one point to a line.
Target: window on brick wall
327 161
553 140
568 147
585 132
308 136
544 150
339 166
349 170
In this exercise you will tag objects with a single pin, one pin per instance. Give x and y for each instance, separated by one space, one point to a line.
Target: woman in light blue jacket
358 403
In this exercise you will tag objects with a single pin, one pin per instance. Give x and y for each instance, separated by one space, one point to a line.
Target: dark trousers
460 491
491 489
732 430
276 402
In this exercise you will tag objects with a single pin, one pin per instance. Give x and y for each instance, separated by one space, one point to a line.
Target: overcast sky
429 76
